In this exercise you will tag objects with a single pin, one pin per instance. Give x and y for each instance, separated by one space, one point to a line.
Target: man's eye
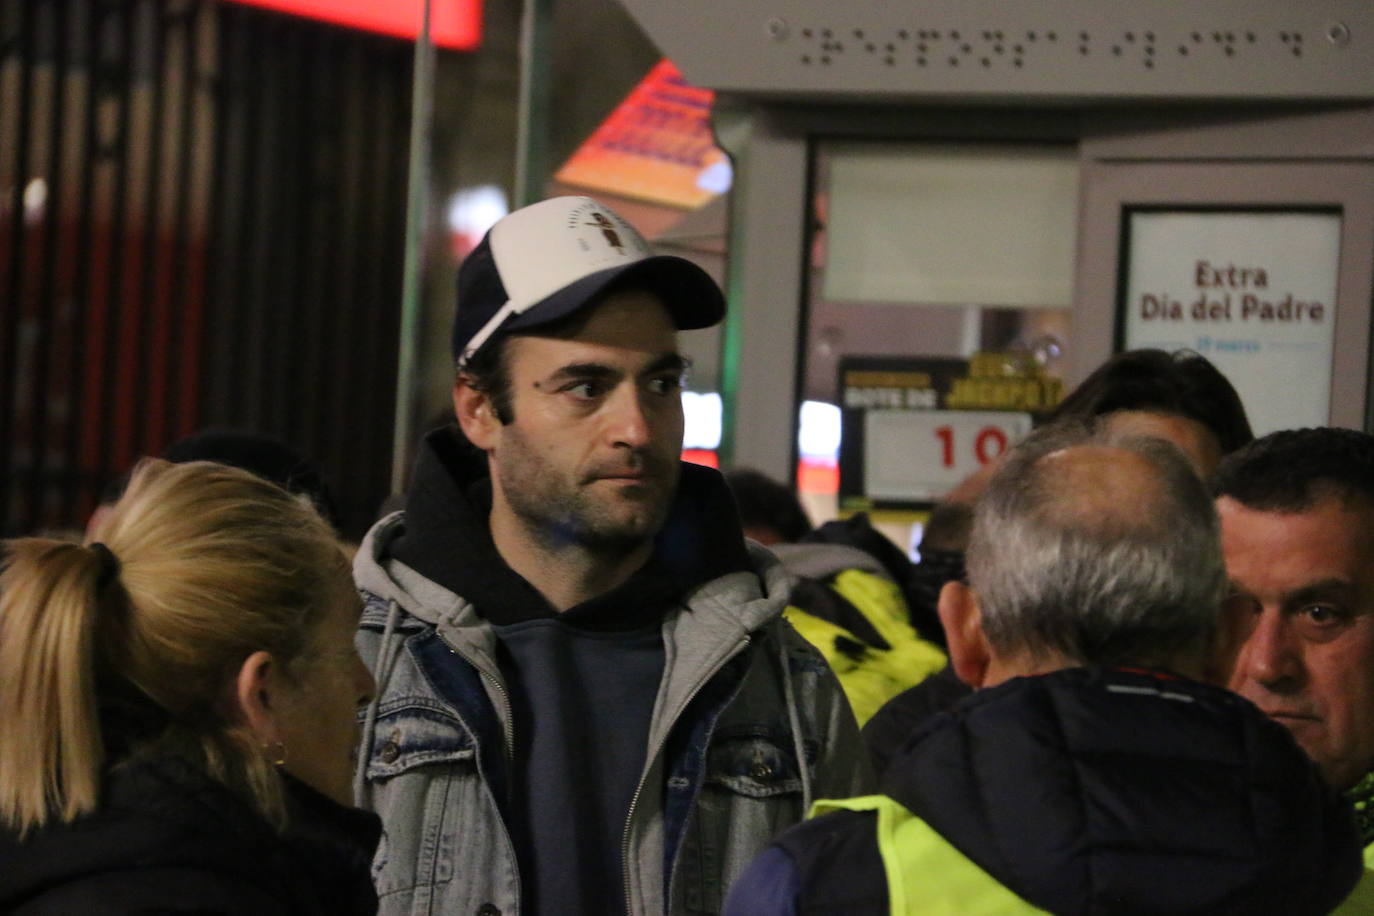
1323 615
585 390
666 384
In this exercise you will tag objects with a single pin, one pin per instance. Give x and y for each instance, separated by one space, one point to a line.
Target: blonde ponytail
52 601
205 565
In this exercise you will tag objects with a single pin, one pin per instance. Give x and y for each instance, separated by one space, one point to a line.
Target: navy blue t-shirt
582 703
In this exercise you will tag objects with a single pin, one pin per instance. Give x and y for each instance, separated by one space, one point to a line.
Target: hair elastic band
109 565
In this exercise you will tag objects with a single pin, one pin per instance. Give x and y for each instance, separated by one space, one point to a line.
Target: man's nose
629 421
1270 656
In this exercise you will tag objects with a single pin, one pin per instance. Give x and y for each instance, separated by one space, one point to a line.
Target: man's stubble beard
581 523
558 513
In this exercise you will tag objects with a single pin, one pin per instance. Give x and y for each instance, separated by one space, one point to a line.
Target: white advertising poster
1254 292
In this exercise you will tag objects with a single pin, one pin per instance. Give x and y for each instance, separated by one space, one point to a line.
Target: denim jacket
749 727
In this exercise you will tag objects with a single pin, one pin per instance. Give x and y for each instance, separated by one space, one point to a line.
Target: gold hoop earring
278 756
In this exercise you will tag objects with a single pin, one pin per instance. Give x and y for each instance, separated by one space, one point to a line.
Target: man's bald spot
1102 489
1099 549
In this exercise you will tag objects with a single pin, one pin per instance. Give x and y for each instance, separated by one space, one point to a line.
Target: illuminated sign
455 24
657 146
914 428
1254 292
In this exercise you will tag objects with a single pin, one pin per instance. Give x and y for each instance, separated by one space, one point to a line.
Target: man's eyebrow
583 371
669 361
1324 588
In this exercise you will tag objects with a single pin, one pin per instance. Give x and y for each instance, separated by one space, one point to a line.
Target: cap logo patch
608 231
610 238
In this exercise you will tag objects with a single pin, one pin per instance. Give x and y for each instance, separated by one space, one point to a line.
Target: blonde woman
179 704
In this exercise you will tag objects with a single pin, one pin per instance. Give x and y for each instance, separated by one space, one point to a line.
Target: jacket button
761 771
488 909
389 752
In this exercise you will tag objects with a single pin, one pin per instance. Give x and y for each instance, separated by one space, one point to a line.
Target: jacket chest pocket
753 761
414 737
751 790
419 765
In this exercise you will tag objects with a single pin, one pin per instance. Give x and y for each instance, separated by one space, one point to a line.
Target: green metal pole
417 217
732 124
532 137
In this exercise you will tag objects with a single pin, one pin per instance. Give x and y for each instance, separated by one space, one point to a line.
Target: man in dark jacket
1297 531
1092 771
587 699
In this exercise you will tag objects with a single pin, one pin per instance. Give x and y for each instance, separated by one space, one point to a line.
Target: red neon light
455 24
654 146
701 456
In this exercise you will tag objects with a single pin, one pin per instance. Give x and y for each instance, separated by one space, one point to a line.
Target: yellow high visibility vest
925 874
928 876
1361 899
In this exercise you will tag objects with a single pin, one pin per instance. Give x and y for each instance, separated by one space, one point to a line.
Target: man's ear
257 696
969 654
475 413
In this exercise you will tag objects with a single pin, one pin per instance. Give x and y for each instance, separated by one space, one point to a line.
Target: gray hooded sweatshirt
746 726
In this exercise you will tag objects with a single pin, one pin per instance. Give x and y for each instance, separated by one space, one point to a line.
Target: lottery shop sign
915 427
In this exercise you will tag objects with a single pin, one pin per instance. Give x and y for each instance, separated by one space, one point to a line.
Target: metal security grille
201 224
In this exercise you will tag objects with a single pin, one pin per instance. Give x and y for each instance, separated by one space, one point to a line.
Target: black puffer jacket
167 839
1104 792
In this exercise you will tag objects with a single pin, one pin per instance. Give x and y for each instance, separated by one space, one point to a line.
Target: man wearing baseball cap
587 701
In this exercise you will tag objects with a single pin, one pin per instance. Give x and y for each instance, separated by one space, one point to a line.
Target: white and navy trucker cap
548 260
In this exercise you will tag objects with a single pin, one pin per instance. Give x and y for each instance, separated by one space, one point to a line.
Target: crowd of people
1132 672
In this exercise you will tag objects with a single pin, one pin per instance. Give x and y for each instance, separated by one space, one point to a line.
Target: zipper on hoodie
648 765
508 727
508 732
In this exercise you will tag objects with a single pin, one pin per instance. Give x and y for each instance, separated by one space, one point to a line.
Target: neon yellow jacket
870 675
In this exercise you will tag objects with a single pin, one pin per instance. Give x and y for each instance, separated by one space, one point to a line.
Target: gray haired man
1092 771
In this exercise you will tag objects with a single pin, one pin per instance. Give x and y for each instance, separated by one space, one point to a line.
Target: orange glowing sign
657 145
455 24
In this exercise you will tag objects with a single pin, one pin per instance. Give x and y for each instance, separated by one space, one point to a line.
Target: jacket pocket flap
415 736
758 762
